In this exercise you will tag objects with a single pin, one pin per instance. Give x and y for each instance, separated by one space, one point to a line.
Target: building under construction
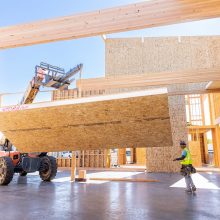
194 112
109 147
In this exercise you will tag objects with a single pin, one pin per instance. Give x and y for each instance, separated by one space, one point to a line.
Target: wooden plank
125 18
109 121
206 149
213 85
73 167
205 127
151 79
82 174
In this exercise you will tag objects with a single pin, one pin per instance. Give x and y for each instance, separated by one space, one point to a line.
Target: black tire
6 170
48 168
23 173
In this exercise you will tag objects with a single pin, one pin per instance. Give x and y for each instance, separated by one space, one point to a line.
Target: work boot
193 188
188 190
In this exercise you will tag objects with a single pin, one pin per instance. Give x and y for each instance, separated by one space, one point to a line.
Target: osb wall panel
90 125
161 159
129 56
123 56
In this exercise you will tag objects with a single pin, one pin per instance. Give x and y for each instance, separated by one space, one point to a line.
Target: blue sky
17 65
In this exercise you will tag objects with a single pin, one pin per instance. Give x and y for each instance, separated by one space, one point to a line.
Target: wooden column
108 158
206 148
202 109
216 145
73 167
212 109
132 155
121 156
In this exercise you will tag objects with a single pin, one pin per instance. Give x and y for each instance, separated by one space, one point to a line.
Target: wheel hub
45 167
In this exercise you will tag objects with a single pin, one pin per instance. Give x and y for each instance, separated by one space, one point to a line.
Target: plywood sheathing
123 18
111 122
195 150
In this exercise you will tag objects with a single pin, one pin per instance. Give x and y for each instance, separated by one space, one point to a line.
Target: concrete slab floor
29 198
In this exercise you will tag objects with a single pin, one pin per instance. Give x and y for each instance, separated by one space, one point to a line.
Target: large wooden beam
150 79
125 18
213 85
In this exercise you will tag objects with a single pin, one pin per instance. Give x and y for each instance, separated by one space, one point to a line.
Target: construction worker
187 168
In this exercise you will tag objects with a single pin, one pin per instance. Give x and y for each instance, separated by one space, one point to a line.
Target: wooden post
132 155
206 148
212 109
83 159
73 167
202 108
108 158
216 145
121 156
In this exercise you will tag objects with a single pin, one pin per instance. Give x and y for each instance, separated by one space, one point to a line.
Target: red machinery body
14 155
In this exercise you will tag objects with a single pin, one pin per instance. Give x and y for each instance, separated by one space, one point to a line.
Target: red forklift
11 161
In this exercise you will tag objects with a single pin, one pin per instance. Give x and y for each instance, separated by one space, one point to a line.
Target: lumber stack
124 18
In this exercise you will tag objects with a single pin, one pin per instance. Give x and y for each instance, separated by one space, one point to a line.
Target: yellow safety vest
188 158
